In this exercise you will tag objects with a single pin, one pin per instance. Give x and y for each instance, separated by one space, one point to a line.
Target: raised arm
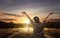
49 15
28 17
44 21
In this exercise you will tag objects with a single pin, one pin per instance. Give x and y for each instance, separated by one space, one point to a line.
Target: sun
26 21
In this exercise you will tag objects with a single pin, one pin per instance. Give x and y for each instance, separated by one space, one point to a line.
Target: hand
51 13
24 12
26 15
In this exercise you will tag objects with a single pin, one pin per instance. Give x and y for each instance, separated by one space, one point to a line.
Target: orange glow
23 20
25 30
26 21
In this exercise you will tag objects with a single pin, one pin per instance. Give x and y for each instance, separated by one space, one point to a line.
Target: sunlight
23 20
25 30
26 21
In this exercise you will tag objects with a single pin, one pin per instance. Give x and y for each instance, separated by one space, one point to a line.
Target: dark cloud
9 1
7 19
49 5
2 14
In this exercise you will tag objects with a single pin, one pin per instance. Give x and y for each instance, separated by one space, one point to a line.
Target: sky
40 8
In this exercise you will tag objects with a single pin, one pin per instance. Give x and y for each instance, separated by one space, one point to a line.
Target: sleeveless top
38 29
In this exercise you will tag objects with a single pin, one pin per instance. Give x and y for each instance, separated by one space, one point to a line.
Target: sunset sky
39 8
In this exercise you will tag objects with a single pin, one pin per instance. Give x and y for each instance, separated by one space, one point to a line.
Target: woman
38 27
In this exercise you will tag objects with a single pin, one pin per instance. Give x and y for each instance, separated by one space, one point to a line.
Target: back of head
36 19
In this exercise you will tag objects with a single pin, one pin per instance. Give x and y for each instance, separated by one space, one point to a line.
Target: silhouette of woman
38 27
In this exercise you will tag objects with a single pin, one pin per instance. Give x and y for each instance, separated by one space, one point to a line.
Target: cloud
7 19
3 14
9 1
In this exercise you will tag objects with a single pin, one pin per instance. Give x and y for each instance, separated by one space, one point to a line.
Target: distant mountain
6 25
9 25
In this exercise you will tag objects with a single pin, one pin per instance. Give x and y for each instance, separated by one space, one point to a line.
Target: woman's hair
36 19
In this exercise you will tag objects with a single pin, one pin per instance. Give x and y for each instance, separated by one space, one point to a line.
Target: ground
18 34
